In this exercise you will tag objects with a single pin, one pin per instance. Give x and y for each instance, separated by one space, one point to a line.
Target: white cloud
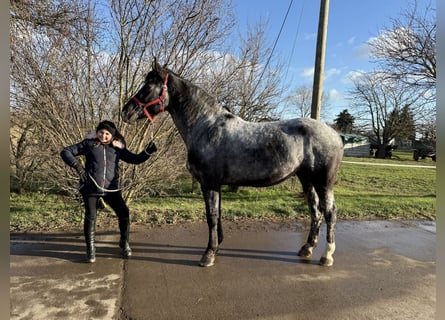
351 76
310 36
363 51
331 72
351 40
308 72
335 96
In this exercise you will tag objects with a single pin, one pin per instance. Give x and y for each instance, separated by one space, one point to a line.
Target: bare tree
300 101
377 98
406 55
259 79
178 33
76 62
247 81
407 49
72 66
46 46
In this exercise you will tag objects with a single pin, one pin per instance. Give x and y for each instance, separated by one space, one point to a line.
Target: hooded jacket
101 164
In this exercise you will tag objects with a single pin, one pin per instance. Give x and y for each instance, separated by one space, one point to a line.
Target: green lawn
362 192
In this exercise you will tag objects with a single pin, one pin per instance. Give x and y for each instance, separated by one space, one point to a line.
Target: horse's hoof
305 251
208 259
326 262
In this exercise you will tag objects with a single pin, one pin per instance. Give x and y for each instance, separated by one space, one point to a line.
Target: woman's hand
118 144
83 176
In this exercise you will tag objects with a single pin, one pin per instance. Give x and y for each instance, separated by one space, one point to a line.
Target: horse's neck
192 106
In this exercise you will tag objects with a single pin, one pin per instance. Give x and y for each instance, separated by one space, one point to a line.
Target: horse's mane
202 93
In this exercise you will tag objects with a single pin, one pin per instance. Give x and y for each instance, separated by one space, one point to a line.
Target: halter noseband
159 100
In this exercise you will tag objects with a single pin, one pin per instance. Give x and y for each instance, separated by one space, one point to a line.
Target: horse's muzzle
129 113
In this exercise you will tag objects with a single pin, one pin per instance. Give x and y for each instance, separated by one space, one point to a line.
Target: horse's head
152 98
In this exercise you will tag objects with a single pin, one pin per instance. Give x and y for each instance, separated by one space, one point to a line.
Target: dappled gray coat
101 164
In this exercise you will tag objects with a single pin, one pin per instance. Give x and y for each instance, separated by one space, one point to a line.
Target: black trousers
117 204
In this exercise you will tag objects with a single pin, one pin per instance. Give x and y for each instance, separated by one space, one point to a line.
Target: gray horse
223 149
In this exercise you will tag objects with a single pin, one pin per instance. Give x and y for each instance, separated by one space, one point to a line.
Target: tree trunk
381 151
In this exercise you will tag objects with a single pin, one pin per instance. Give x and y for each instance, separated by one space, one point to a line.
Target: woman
100 179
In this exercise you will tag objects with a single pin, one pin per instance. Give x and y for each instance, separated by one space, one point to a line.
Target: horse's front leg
212 200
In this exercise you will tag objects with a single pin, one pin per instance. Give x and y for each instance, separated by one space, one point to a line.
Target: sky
351 23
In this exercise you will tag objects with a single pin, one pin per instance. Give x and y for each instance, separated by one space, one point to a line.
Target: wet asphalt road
382 270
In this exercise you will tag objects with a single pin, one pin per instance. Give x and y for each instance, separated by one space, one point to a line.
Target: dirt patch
246 224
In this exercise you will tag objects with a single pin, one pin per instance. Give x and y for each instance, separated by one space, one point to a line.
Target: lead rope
151 130
102 188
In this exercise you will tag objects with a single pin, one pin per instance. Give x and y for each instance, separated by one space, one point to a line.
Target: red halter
159 100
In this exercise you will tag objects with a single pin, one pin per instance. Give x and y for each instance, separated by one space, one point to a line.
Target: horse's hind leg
316 220
212 200
220 229
329 210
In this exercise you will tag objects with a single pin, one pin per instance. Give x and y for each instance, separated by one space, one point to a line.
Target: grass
362 192
246 203
36 211
384 192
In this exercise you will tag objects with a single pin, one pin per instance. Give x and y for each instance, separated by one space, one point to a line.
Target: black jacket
101 164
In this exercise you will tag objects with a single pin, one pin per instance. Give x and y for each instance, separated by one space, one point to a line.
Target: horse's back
235 151
317 135
311 128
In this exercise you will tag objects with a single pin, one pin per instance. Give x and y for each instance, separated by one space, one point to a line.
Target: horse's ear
156 66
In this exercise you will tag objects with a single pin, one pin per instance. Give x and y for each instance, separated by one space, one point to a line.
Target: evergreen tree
344 122
401 124
408 127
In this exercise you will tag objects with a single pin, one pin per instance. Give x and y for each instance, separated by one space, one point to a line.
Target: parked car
424 151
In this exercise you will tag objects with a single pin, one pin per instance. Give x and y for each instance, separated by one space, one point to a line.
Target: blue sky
351 23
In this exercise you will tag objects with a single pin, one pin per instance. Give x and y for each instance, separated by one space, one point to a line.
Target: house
355 145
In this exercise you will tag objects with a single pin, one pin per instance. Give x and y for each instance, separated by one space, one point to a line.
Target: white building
355 145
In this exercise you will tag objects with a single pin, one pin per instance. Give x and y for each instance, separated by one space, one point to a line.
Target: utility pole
319 60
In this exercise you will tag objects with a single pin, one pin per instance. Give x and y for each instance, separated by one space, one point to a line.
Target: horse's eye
150 81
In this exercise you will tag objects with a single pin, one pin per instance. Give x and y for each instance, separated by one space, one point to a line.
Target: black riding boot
124 227
89 230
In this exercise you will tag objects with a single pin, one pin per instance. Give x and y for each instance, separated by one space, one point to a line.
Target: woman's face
104 136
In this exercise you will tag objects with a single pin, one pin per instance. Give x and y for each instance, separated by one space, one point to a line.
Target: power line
274 46
294 42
